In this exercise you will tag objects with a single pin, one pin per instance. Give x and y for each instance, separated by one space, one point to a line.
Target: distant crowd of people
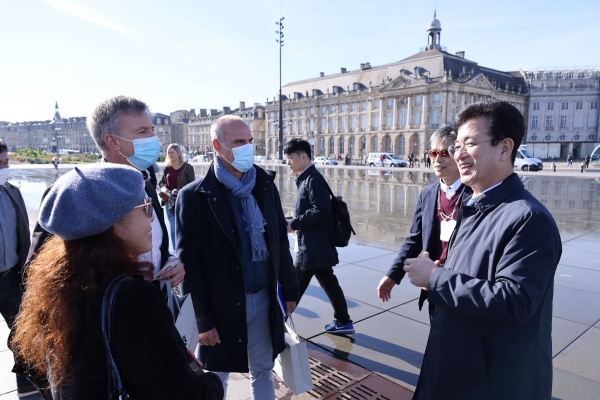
484 270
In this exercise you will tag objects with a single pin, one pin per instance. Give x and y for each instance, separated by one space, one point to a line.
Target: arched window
387 144
401 145
351 146
331 146
363 145
342 150
322 146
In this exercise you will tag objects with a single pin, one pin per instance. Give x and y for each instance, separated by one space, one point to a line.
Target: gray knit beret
89 200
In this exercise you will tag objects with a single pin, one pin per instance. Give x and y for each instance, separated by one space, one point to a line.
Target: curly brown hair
64 290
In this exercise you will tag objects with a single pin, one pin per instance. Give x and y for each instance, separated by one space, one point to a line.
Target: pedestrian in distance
176 175
232 238
434 218
314 228
381 159
61 335
14 237
553 166
55 162
490 336
587 160
569 160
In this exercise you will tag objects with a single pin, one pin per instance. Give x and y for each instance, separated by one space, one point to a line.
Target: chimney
242 105
343 70
367 65
202 112
460 54
362 66
322 74
193 111
213 112
226 110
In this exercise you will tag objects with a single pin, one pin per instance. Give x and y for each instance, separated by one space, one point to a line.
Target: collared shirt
8 232
451 189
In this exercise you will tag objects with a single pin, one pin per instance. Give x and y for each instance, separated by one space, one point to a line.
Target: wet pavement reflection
382 202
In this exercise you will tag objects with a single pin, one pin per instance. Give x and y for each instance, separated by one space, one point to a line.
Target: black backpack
342 228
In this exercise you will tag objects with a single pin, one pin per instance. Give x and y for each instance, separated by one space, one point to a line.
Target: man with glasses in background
434 218
14 239
490 335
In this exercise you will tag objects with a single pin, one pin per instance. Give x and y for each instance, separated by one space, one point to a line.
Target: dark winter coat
208 247
314 222
491 332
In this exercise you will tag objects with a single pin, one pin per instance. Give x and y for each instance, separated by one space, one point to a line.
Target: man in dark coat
490 337
114 125
313 225
14 241
433 213
232 239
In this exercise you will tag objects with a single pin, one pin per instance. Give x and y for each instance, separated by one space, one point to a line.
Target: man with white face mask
232 239
14 240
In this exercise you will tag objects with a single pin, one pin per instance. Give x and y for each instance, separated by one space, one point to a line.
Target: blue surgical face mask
145 151
243 157
3 175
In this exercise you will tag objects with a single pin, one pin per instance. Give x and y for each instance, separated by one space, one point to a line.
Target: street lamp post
280 41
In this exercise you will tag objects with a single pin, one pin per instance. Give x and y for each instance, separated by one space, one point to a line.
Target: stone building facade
199 127
388 108
9 135
179 126
563 111
162 129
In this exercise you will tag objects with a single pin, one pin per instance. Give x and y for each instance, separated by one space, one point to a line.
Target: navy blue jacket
314 222
491 332
208 247
419 239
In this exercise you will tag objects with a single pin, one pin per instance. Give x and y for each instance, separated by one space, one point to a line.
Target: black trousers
10 301
331 286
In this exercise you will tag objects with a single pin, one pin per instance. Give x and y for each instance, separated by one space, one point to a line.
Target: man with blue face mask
232 239
123 131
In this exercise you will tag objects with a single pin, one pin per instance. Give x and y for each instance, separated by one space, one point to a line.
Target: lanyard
439 204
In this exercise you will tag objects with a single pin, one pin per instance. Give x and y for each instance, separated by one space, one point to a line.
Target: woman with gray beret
101 221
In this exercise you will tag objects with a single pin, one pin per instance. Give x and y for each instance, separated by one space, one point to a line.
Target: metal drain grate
374 387
330 376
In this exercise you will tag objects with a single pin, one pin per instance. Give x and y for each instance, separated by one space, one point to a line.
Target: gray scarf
243 191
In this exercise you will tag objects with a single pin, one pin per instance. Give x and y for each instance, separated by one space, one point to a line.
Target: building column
424 118
408 112
394 114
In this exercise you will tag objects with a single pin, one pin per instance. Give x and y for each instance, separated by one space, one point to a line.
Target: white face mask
3 175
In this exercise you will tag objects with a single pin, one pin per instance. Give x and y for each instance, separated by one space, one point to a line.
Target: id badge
447 227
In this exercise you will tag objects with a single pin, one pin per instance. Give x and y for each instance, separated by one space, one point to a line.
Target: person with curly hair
100 218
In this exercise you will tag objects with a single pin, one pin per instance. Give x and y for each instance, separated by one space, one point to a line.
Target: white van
390 160
525 161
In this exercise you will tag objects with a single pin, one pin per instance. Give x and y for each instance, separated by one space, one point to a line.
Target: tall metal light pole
279 124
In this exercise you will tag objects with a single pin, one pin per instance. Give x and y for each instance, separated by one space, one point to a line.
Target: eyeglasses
457 148
148 209
442 153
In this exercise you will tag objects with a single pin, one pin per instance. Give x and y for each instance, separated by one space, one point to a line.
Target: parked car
325 161
525 161
260 159
390 160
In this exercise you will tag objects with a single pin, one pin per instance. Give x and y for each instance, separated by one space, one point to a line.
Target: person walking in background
569 160
232 238
58 331
587 160
313 225
177 174
55 162
14 240
492 322
381 159
434 218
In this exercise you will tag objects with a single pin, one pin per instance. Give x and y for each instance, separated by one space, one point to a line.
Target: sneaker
337 328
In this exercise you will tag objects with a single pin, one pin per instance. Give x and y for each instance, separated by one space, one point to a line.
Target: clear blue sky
183 54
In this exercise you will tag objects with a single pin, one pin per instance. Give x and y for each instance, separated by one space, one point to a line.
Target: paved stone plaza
388 346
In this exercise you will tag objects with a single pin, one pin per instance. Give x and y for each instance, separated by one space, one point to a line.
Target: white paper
447 227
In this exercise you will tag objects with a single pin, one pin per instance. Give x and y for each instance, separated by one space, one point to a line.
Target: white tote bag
183 314
292 364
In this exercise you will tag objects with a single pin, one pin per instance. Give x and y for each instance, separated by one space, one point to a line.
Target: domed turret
434 30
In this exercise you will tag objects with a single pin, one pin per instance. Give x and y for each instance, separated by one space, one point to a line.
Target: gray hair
217 129
105 118
446 132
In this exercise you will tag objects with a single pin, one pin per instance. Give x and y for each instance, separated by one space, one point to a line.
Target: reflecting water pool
382 203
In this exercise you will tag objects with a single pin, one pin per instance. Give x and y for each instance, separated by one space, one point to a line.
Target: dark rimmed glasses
442 153
457 148
148 209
